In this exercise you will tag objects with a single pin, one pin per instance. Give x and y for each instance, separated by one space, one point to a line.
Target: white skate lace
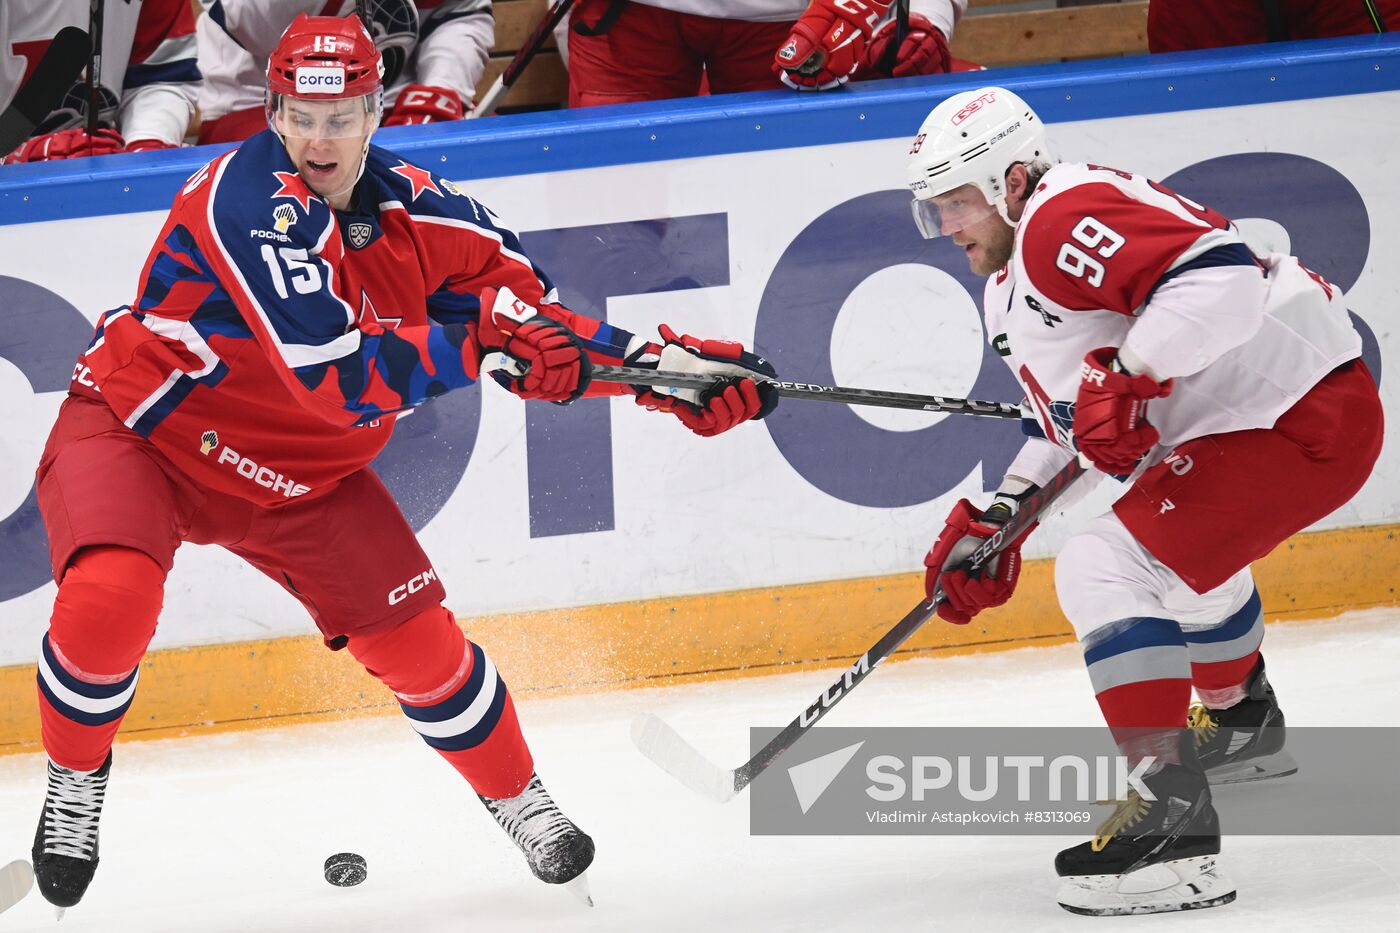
71 811
531 819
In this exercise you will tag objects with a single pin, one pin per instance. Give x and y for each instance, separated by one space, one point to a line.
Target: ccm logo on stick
399 593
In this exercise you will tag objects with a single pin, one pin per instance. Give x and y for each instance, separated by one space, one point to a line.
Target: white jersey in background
149 76
1109 259
442 43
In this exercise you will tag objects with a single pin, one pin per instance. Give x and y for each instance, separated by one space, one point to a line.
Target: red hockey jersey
274 339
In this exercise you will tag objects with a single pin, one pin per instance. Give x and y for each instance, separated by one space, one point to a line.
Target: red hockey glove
964 594
1109 424
826 43
924 51
543 358
67 144
715 410
148 145
424 103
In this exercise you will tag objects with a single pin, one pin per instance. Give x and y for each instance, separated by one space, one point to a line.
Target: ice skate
1243 742
557 851
1150 856
65 844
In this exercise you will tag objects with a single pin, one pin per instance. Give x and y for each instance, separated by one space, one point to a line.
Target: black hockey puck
346 869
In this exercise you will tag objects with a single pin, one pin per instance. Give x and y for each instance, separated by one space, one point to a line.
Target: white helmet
972 138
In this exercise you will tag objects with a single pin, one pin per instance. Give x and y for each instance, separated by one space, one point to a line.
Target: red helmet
325 58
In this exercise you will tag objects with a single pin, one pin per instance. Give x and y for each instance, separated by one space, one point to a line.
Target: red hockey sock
1223 657
103 619
453 697
1141 676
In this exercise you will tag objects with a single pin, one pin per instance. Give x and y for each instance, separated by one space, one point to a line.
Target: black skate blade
1279 764
16 881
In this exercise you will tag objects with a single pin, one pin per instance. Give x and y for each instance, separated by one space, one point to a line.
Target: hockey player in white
1225 390
147 76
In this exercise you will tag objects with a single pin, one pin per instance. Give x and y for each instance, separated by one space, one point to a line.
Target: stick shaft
492 98
636 375
61 64
94 78
901 29
1030 511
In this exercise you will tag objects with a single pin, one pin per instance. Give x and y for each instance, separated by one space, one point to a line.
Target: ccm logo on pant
399 593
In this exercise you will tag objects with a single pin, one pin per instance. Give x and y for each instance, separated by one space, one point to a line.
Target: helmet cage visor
300 118
947 213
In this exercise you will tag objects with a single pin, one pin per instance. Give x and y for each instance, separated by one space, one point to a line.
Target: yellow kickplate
657 641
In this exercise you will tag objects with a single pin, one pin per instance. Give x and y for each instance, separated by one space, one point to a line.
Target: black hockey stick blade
60 66
661 379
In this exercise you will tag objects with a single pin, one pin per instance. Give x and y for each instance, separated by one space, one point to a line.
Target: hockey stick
676 756
661 379
492 98
901 29
94 75
16 878
55 73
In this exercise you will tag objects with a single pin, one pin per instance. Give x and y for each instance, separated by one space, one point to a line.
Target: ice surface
229 832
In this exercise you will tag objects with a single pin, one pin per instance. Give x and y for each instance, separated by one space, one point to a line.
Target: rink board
610 546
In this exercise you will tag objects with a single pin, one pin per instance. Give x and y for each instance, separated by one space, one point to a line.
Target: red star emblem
369 315
293 187
420 178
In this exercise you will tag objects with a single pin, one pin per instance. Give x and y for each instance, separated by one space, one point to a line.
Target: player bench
993 33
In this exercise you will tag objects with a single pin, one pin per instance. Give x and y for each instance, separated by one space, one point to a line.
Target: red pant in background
654 54
233 127
1181 25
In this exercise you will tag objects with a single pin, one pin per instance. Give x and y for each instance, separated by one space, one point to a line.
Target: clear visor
324 119
945 214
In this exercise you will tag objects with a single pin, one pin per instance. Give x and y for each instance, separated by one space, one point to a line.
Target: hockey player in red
1224 389
306 290
1180 25
621 51
836 41
148 76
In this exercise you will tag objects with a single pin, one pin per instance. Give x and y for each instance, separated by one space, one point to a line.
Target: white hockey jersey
149 78
1109 259
443 43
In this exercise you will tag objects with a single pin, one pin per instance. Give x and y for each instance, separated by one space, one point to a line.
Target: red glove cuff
149 145
425 103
